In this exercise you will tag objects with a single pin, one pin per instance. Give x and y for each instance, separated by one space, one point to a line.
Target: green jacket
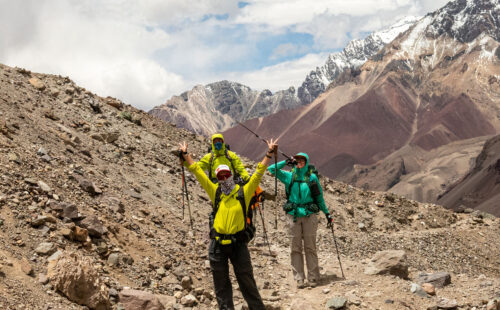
300 193
221 159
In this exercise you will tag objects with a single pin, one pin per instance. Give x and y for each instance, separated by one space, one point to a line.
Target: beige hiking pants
304 230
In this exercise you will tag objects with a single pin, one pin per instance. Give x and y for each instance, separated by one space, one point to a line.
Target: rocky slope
480 188
220 105
91 217
434 85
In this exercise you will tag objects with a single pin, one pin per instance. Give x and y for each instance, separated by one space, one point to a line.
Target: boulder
336 303
35 82
135 299
42 219
445 303
388 262
76 278
45 248
418 290
189 300
88 186
26 267
438 279
94 226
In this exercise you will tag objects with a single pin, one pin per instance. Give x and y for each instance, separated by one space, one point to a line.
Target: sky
146 51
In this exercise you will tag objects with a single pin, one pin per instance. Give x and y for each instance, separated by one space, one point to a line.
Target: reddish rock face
480 188
444 119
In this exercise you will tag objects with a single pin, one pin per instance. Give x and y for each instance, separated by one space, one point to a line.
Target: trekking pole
288 157
337 249
264 228
275 189
185 190
182 187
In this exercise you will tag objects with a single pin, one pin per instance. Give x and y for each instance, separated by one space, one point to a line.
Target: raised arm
200 175
251 186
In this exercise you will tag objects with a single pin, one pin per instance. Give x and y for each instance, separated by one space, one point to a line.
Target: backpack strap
210 164
218 193
241 199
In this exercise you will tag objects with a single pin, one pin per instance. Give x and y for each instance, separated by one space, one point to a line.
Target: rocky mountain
433 86
91 217
480 188
219 106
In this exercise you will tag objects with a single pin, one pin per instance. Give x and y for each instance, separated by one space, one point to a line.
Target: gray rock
135 299
45 248
186 283
388 262
94 226
43 279
189 300
114 259
438 279
44 187
46 158
14 158
418 290
445 303
336 303
41 151
55 256
113 292
42 219
88 186
161 271
69 211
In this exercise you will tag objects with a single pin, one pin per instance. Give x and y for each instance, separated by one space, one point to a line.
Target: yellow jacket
221 159
229 218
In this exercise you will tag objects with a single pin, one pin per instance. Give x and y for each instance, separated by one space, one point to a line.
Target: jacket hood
302 171
221 151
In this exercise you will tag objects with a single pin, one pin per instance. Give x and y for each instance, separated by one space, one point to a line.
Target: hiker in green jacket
305 200
229 232
220 155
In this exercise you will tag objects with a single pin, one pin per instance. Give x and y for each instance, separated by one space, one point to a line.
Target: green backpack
313 188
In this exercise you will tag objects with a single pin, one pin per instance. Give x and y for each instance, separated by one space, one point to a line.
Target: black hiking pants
237 252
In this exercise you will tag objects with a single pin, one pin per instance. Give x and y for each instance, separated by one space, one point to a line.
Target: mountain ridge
220 105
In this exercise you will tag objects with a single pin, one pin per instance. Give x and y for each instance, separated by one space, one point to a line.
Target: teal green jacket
299 193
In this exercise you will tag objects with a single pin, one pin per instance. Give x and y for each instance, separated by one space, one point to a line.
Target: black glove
291 161
329 220
181 154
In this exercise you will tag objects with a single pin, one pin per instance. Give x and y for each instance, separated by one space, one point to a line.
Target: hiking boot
313 283
301 284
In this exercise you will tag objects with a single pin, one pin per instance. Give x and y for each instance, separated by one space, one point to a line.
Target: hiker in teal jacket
305 200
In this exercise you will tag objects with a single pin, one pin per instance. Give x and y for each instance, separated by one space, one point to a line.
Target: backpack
313 185
248 232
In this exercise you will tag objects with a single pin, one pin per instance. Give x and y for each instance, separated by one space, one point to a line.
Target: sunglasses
223 175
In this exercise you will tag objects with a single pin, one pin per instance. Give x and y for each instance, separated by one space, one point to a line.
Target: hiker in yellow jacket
230 234
220 155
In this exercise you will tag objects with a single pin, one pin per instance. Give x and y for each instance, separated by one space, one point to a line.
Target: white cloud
143 52
288 49
280 76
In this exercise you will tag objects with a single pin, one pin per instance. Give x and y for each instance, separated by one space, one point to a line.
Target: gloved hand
329 220
291 161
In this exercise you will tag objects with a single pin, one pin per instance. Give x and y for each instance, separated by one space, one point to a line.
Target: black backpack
248 233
